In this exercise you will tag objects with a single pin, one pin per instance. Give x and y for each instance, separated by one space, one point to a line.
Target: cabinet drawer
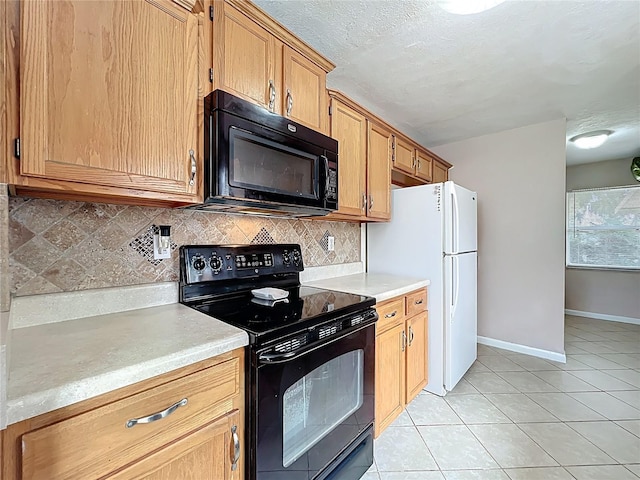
416 302
389 312
100 441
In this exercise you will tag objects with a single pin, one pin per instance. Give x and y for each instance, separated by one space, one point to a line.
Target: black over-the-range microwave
262 163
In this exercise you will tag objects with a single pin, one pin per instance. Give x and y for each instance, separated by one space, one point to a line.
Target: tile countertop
379 285
57 364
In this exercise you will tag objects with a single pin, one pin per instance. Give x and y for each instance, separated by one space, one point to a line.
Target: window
603 228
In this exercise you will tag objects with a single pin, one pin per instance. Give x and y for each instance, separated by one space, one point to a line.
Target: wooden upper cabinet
256 59
304 83
424 165
404 155
109 93
440 171
244 58
349 128
379 172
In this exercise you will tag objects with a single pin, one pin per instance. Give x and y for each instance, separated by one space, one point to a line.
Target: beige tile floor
516 417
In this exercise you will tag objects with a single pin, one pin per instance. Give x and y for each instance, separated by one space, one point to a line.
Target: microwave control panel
332 182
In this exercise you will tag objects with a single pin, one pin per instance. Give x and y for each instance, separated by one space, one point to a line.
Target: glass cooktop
305 307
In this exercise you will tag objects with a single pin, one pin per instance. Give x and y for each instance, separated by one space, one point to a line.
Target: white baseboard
603 316
515 347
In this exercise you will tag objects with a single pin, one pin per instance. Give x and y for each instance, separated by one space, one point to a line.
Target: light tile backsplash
59 246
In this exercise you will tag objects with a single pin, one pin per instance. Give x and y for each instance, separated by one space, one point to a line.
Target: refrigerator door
410 245
460 219
461 331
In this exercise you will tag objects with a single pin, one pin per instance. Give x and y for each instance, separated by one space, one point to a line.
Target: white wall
520 179
600 291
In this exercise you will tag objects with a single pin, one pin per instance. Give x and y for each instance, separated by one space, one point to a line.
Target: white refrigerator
433 235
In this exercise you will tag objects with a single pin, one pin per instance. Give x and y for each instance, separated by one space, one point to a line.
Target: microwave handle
326 173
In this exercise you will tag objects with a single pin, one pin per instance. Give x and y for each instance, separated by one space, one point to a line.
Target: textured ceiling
441 78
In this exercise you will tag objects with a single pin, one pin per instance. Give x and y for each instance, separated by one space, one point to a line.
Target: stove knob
216 263
296 257
286 259
198 262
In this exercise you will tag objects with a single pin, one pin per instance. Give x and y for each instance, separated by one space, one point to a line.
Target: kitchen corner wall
520 179
602 292
62 246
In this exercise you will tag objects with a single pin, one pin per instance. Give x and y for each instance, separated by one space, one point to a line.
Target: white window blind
603 228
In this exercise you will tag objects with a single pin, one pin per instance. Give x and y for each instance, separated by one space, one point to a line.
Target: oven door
257 163
309 408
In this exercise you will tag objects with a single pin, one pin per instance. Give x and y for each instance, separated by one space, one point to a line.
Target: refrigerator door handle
455 287
454 221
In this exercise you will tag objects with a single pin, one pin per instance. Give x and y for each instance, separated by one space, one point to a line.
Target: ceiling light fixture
591 139
466 7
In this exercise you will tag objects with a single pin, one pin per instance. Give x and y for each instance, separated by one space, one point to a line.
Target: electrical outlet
331 243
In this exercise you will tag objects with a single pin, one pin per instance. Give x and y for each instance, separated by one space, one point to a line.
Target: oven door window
260 164
319 402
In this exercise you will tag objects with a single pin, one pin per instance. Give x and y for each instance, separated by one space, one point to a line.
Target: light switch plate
331 243
160 253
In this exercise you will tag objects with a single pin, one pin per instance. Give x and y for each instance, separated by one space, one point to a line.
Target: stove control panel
207 263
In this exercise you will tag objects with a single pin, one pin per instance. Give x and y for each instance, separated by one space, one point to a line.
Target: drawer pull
236 447
157 416
391 315
419 302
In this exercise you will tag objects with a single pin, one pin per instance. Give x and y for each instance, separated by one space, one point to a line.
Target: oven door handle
276 357
269 358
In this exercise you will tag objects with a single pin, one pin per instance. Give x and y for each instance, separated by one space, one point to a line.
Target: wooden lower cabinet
401 355
202 455
197 435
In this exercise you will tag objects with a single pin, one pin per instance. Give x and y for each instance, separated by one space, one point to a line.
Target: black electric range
311 358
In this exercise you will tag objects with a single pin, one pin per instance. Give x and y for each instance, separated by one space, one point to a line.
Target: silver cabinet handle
404 340
289 102
413 161
391 315
236 447
272 95
410 336
364 202
370 202
157 416
192 156
418 164
419 302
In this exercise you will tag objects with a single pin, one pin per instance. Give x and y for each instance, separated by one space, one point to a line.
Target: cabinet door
379 172
205 454
349 128
244 58
417 349
390 376
404 156
109 93
440 172
303 94
424 165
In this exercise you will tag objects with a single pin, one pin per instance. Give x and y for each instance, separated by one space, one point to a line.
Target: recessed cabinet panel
350 129
390 386
109 93
245 58
417 355
424 165
403 156
303 96
379 172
